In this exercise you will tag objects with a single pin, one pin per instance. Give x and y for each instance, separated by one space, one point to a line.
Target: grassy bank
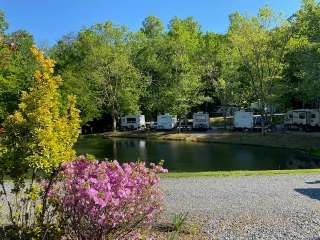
238 173
291 140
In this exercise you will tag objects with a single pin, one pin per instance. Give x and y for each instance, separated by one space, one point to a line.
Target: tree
119 81
98 68
3 24
152 26
39 137
17 66
70 54
150 58
184 45
260 43
303 57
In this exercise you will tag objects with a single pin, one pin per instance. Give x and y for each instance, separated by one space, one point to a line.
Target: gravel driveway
255 207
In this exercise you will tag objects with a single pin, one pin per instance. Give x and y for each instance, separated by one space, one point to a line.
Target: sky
49 20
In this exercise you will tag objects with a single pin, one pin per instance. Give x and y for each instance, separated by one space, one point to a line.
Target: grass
238 173
315 152
219 121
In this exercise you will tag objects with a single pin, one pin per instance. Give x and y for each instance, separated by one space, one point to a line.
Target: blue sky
49 20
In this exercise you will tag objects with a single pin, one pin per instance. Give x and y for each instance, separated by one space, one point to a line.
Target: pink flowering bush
106 200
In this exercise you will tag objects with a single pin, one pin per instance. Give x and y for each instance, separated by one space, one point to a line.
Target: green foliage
70 54
3 23
179 69
178 222
17 66
259 44
98 62
39 137
303 56
152 26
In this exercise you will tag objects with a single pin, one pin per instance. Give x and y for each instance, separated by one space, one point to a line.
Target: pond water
193 157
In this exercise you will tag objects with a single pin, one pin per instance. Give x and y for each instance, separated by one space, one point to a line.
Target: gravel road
255 207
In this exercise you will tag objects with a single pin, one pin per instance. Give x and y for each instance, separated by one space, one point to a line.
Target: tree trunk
114 125
224 117
179 125
263 118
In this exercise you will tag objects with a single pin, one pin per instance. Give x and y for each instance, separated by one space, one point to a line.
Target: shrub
38 138
106 200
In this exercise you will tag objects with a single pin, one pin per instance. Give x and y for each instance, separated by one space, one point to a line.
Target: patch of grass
238 173
219 121
315 152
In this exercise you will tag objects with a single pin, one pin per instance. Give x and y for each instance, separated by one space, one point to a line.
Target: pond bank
291 140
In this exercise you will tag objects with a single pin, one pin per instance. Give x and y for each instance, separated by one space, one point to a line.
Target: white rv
243 120
303 118
166 122
133 122
201 121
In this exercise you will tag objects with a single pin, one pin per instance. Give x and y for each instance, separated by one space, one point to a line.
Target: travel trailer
166 122
303 118
243 120
201 121
133 122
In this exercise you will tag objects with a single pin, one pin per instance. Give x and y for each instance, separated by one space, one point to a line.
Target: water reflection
183 156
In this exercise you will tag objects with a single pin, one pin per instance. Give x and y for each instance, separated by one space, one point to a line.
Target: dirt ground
289 139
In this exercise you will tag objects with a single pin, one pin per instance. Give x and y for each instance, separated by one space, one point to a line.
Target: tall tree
184 45
98 61
16 67
303 57
152 26
71 53
121 83
260 43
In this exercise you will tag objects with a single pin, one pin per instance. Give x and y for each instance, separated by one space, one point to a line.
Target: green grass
315 152
238 173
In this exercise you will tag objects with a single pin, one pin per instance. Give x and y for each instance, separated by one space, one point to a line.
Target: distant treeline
264 59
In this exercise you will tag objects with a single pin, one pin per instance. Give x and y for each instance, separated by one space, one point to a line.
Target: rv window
302 115
131 120
313 115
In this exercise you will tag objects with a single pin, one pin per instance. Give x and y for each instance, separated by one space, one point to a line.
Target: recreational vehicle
133 122
303 118
201 121
166 122
243 120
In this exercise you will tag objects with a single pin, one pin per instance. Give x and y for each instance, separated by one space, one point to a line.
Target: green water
193 157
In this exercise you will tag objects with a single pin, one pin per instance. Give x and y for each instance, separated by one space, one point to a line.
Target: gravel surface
255 207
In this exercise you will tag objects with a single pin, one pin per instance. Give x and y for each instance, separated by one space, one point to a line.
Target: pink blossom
107 196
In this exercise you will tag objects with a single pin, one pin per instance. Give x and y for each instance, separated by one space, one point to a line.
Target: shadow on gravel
313 193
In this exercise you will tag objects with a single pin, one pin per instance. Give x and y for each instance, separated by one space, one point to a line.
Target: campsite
160 120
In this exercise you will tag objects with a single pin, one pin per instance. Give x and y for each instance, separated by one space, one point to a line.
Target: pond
193 157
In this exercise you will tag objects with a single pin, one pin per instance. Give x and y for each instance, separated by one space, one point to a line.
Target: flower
107 196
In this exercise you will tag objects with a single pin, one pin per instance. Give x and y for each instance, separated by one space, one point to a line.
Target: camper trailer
243 120
303 118
201 121
166 122
133 122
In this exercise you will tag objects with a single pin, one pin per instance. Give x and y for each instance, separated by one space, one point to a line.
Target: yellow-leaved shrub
40 135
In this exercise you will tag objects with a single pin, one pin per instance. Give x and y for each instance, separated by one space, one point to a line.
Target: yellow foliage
40 135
